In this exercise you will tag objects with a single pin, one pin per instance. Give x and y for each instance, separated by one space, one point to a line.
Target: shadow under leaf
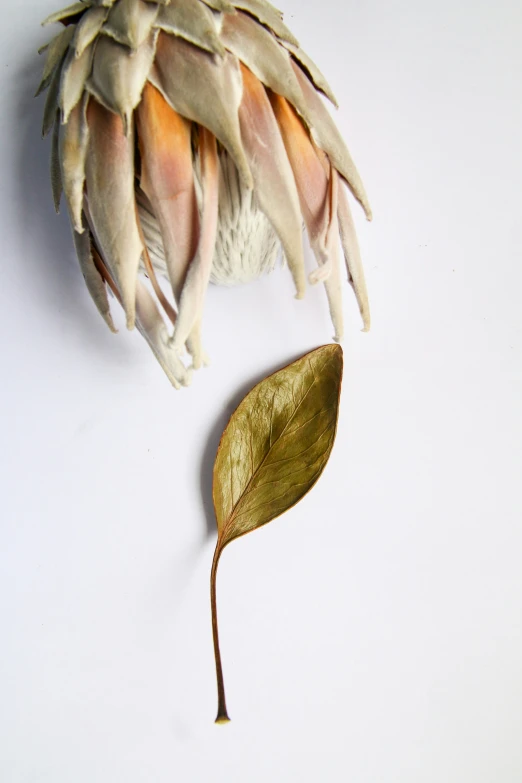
52 277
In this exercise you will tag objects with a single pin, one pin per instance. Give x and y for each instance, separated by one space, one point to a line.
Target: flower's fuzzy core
190 140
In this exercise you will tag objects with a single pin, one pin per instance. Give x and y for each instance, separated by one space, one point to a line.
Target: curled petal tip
187 379
321 274
362 198
200 360
176 346
366 321
128 297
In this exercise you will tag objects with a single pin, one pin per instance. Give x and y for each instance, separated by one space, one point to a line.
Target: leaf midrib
226 527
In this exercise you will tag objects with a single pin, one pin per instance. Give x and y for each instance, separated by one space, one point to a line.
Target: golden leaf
272 452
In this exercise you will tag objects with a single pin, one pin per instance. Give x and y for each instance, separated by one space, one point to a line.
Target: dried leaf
268 16
272 452
193 21
65 13
130 22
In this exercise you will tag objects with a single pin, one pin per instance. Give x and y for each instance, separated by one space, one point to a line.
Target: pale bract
191 141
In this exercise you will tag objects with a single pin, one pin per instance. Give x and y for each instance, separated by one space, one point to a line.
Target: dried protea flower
191 141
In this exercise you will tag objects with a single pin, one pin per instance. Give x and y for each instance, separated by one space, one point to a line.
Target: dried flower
191 141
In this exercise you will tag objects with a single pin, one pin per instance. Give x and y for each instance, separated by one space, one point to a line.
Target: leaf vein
300 454
248 488
232 515
305 423
284 478
309 483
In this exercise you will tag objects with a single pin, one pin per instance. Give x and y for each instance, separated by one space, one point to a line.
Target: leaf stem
222 715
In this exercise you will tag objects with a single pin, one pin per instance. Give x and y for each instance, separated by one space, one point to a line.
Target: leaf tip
336 346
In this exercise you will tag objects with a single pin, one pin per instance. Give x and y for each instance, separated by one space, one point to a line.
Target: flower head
190 140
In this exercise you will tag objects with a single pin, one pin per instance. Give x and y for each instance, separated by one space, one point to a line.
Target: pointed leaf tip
277 443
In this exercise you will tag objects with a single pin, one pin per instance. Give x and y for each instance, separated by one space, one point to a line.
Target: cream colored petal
56 50
75 72
130 22
352 257
88 28
119 76
333 284
330 231
329 226
74 140
56 174
313 71
268 16
111 202
167 179
71 10
327 137
192 21
310 177
203 89
198 275
93 280
257 48
274 183
318 188
152 327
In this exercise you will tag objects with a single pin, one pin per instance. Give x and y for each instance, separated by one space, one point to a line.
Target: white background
374 633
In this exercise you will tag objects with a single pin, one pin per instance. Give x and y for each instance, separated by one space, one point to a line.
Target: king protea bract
191 141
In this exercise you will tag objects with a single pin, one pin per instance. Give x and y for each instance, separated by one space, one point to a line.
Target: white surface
375 632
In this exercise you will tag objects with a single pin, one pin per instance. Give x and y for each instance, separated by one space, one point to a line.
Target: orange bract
191 141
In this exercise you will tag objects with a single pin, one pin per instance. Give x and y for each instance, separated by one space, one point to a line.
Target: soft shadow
52 274
34 199
210 451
